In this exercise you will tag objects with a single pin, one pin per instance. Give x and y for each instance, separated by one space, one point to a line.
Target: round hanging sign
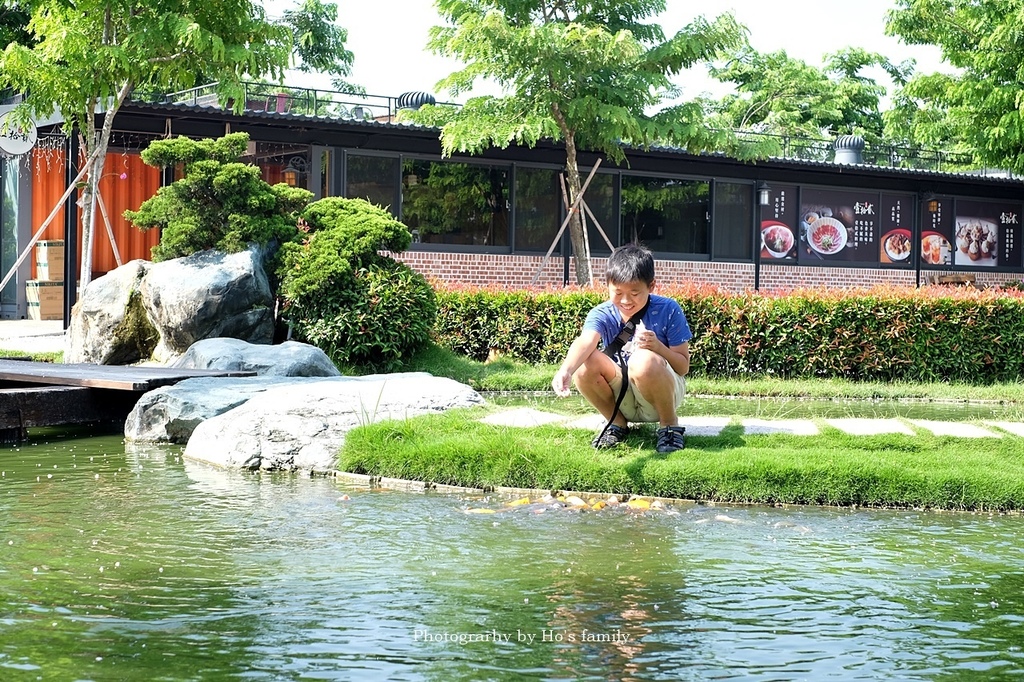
15 142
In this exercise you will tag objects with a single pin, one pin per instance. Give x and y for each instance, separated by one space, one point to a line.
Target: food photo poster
818 226
970 234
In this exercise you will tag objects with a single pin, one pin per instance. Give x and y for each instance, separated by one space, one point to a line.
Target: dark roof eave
772 166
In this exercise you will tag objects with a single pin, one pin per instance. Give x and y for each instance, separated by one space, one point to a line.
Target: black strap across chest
625 334
614 351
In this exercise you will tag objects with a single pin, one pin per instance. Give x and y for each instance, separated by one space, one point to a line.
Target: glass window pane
9 170
667 215
455 203
538 209
734 211
600 198
374 178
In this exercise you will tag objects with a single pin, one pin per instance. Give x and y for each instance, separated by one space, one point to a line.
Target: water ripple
134 565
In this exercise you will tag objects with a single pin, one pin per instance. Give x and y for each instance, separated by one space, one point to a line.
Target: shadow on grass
643 436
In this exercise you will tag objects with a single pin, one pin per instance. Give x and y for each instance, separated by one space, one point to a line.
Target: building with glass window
494 218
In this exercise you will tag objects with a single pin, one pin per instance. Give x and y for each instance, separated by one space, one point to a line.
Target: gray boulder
171 413
107 327
155 311
208 295
290 359
302 426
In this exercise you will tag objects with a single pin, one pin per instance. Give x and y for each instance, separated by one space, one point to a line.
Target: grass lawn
39 357
833 468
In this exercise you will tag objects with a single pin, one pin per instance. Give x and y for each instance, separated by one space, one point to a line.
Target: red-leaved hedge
879 334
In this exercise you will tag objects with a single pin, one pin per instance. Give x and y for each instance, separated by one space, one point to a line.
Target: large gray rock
289 359
208 295
171 413
105 328
155 311
302 427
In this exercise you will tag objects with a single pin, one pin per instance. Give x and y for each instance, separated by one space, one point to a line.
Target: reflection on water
118 566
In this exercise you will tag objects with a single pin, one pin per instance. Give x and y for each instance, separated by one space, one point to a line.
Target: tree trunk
88 205
580 247
95 144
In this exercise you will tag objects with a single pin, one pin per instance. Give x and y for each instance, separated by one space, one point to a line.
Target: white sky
388 38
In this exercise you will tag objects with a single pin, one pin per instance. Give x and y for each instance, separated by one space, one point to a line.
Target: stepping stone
590 422
1016 428
958 429
870 427
796 427
704 426
522 416
695 426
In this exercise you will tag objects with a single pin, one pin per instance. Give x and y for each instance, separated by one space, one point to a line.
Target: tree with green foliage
342 295
319 43
980 108
585 72
220 203
90 55
779 95
14 18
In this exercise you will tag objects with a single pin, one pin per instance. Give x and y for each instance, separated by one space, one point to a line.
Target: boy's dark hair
630 263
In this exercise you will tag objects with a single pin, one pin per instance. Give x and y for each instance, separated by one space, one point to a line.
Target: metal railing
279 99
885 155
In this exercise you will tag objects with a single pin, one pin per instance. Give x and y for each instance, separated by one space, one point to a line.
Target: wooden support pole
110 230
565 222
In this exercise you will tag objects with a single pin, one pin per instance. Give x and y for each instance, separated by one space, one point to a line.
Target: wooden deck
34 394
117 377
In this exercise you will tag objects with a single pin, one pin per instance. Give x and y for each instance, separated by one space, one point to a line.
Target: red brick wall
518 272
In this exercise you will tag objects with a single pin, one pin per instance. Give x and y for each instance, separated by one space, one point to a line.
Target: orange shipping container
125 184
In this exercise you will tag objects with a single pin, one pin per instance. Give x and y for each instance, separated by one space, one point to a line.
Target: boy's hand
648 341
561 383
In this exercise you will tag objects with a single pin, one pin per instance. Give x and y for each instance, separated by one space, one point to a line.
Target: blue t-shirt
664 317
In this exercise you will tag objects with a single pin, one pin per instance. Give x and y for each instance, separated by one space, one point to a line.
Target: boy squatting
656 367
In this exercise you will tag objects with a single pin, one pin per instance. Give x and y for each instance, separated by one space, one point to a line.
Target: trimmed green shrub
220 203
342 295
879 334
532 326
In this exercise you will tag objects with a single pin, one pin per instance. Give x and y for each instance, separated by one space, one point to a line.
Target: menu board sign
838 225
894 220
778 225
937 231
987 234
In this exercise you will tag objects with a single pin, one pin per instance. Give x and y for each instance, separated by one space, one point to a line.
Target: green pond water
139 565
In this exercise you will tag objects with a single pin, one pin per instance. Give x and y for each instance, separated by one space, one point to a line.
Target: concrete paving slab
695 426
590 422
32 336
870 427
957 429
1016 428
796 427
704 426
712 426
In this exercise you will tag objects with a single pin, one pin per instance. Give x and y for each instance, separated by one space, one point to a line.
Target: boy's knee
645 364
587 372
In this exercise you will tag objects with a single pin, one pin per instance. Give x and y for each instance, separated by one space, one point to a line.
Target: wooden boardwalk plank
118 377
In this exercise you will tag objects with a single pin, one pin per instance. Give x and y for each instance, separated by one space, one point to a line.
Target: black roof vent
415 100
849 149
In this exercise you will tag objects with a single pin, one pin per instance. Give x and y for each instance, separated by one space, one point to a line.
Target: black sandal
610 437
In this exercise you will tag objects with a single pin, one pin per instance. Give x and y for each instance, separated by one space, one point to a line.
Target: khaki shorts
634 408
